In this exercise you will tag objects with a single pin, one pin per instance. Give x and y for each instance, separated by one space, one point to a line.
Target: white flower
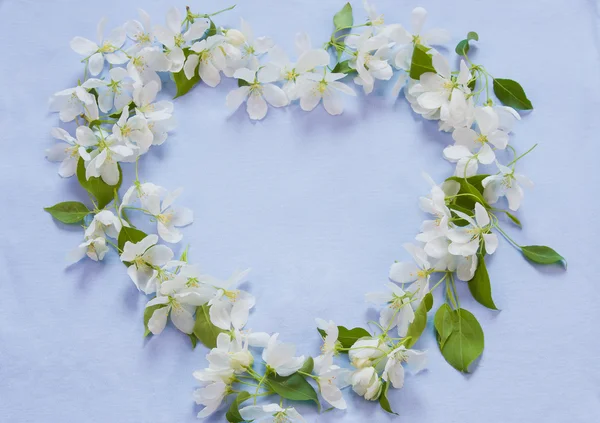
467 239
210 60
375 19
144 258
141 192
331 380
230 353
180 309
69 154
398 311
271 413
160 128
429 38
95 248
444 92
290 72
145 63
507 183
279 357
173 40
366 351
326 86
366 382
330 342
114 91
229 307
433 232
394 371
258 90
217 385
370 60
140 32
109 48
507 117
103 161
133 132
144 96
105 223
251 48
418 272
169 218
73 102
477 147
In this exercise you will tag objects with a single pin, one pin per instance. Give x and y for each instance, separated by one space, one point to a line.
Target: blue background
318 206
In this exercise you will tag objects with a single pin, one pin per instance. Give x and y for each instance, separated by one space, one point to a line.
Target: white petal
96 64
491 243
158 321
83 46
403 272
236 97
182 319
481 216
256 106
274 95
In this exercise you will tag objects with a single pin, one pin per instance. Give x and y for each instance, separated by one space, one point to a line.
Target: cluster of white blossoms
113 116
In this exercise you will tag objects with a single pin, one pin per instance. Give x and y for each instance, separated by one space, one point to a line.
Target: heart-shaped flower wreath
118 119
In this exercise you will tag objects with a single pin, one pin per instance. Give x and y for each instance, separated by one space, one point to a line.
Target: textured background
318 206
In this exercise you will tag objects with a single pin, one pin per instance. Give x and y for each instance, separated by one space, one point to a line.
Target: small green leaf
148 312
444 323
322 333
511 94
193 340
68 212
204 329
347 337
343 67
542 255
472 35
383 399
243 83
102 192
421 62
132 235
480 286
462 48
308 366
233 414
343 18
417 326
293 387
183 84
466 341
514 219
212 30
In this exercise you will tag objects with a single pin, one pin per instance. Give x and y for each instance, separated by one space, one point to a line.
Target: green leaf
132 235
347 337
343 18
444 323
473 187
148 312
383 400
68 212
417 326
243 83
472 35
293 387
193 340
480 286
510 93
233 414
542 255
322 333
204 329
102 192
343 67
462 48
421 62
308 366
465 343
212 30
514 218
183 84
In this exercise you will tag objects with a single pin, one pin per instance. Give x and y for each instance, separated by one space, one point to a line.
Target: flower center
165 218
322 86
179 41
142 37
107 48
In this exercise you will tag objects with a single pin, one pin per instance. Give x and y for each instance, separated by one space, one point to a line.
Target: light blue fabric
318 206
